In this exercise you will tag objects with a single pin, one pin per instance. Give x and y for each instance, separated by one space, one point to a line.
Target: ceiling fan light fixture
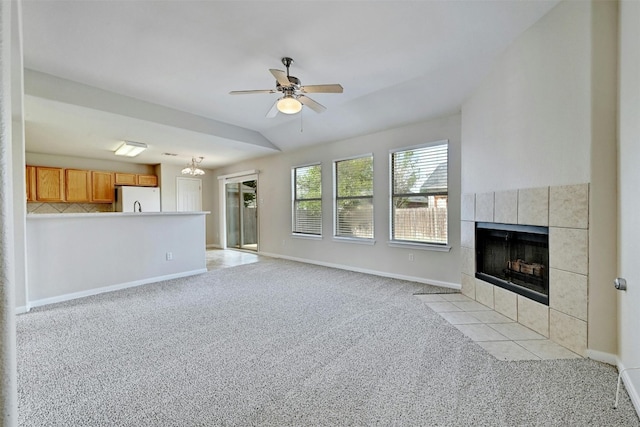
289 105
294 94
193 168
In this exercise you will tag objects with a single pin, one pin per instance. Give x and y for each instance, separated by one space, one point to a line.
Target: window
354 197
307 199
419 194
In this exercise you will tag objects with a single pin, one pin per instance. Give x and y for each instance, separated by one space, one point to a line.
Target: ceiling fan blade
318 108
250 92
281 77
334 88
273 111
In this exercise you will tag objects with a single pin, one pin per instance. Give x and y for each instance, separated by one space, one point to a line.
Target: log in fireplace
514 257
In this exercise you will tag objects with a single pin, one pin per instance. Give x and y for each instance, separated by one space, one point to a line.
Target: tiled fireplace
564 212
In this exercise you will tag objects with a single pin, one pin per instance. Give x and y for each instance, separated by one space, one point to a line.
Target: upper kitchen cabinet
147 180
30 176
77 185
135 180
49 184
102 187
125 178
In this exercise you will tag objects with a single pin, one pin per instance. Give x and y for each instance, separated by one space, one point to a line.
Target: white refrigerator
137 199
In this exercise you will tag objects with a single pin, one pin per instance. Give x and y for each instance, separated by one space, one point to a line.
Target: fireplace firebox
514 257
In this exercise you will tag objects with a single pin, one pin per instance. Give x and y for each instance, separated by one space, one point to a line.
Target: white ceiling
160 72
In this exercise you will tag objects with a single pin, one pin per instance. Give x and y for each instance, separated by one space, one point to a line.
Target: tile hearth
500 336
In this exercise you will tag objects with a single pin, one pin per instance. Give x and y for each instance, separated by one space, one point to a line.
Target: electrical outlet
410 257
169 256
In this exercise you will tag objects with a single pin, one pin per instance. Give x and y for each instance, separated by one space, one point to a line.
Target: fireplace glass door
514 257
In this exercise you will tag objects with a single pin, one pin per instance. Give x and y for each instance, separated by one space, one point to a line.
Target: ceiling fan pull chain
301 129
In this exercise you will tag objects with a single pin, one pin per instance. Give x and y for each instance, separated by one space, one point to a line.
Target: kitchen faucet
139 206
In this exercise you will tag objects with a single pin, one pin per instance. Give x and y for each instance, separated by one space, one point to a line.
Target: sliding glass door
242 214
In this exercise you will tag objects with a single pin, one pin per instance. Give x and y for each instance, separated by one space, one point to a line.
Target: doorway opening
241 200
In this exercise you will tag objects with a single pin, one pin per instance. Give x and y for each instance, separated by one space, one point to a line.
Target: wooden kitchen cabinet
77 185
136 180
30 177
102 187
147 180
49 184
125 178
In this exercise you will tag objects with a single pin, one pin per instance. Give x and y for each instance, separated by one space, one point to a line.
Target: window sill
355 240
306 236
420 246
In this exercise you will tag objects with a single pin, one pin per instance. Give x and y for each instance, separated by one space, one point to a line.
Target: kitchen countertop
75 255
111 214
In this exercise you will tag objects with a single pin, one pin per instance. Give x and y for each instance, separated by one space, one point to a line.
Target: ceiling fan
293 92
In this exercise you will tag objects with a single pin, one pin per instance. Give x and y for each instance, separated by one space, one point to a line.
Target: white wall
603 226
79 254
10 248
167 180
629 131
167 175
527 124
52 160
274 195
209 204
545 116
18 156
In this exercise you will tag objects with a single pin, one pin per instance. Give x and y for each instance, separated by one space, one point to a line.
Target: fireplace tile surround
565 210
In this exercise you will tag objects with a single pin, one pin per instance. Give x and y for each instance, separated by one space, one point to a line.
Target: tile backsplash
58 208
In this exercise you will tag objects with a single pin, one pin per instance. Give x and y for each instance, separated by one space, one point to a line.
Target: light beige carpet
279 343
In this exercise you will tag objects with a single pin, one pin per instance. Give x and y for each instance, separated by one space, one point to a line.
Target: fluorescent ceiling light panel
131 148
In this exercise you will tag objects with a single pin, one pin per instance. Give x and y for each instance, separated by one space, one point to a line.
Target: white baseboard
426 281
111 288
22 309
601 356
632 389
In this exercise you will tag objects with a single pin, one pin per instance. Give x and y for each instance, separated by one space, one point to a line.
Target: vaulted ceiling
160 72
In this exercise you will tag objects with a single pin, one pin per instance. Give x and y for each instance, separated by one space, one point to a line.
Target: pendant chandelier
193 169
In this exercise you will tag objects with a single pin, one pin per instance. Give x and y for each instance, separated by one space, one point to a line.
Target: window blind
354 197
307 199
420 194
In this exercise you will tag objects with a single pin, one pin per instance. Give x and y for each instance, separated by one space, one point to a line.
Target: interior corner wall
8 359
167 174
538 120
274 205
18 159
629 203
603 253
167 178
210 204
